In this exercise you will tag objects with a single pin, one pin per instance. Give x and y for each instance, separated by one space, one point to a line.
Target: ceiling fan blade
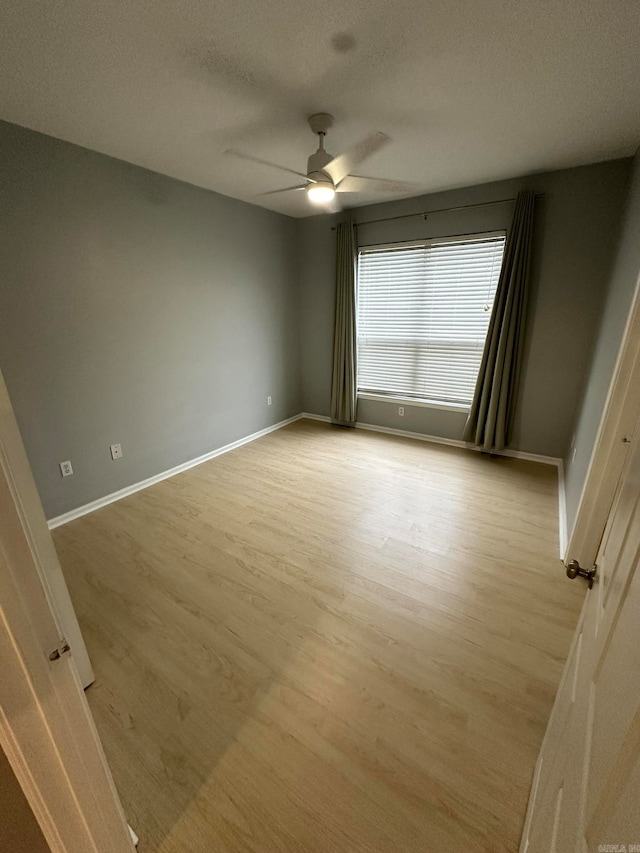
357 184
285 189
234 153
341 165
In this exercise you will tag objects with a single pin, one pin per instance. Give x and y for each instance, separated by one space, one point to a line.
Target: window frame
398 399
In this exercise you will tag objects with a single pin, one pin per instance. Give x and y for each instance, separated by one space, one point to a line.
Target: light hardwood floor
327 640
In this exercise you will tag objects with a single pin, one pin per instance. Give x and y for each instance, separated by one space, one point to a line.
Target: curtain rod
426 213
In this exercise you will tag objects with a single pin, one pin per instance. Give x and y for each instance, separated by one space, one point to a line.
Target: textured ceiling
468 90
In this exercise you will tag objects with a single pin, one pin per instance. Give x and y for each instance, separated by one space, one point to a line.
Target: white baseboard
420 436
308 416
66 517
530 457
454 442
512 454
59 520
563 533
436 439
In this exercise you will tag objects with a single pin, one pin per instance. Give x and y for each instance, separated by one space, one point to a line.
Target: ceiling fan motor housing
316 164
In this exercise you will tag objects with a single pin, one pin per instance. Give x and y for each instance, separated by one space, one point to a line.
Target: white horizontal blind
423 316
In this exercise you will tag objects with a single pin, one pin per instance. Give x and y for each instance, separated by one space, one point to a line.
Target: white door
46 560
586 790
46 728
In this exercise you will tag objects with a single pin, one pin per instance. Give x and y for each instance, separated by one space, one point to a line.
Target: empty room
319 405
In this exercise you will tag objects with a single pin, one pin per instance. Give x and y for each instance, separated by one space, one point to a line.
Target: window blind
423 316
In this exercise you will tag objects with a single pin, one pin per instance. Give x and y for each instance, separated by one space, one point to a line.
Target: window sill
425 404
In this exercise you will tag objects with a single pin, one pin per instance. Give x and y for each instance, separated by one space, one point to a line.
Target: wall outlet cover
269 401
401 411
116 451
66 469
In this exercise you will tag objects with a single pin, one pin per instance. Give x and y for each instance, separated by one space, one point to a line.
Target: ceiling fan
327 175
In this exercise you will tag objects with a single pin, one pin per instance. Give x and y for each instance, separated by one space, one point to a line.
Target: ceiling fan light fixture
321 192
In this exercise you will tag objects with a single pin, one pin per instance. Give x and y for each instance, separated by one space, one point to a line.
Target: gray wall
626 270
575 235
141 310
136 309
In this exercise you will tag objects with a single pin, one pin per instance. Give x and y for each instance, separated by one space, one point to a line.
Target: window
423 316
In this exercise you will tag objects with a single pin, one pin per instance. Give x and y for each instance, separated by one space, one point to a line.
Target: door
41 545
586 790
46 729
621 411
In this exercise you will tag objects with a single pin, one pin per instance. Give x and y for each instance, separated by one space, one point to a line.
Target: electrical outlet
116 451
66 469
269 401
401 411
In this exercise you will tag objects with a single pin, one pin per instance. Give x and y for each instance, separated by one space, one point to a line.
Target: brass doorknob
574 570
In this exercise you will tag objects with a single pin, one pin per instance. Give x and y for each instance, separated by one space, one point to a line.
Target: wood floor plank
326 640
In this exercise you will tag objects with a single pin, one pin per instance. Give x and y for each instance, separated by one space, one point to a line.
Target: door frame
619 417
52 748
46 728
18 471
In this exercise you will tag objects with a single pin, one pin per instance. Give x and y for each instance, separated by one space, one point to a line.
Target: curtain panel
491 416
343 384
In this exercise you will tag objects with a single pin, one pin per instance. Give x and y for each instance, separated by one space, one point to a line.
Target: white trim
562 510
18 473
46 728
434 439
325 419
529 457
371 248
66 517
555 711
408 402
512 454
524 841
619 418
454 442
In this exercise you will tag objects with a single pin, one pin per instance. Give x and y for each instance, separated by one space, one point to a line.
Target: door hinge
62 648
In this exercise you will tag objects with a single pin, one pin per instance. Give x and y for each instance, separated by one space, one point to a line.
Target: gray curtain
343 382
491 416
